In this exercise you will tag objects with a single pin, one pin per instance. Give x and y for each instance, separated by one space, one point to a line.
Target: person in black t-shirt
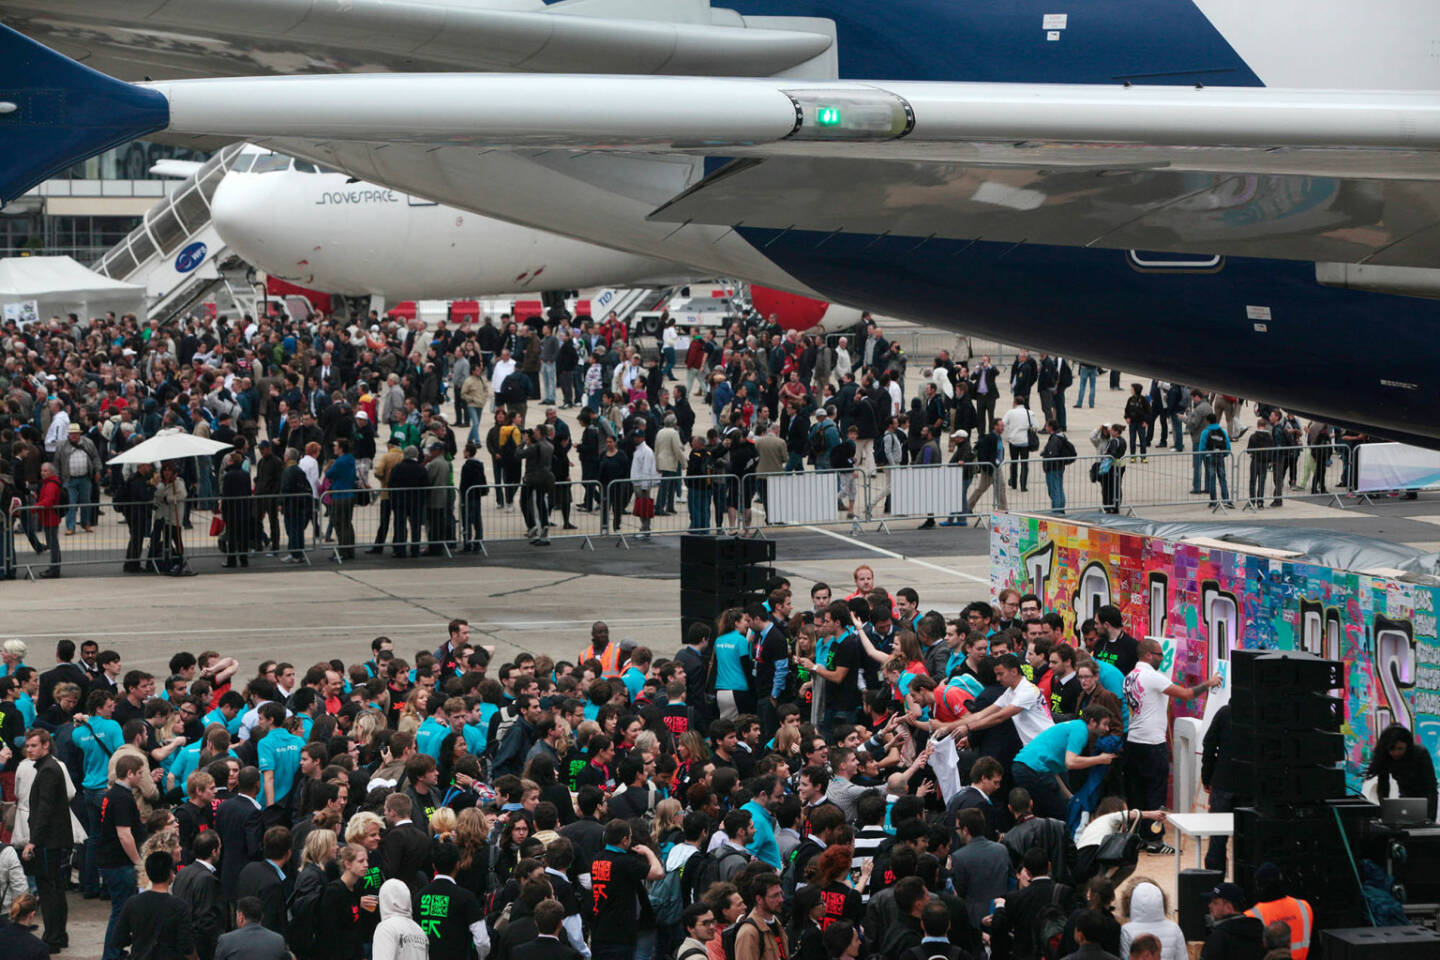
450 915
156 925
343 902
1116 647
619 905
598 771
117 852
837 661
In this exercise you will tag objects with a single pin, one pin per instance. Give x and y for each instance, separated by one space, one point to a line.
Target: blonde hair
566 738
167 841
470 835
359 825
366 723
442 822
787 739
667 815
320 847
352 852
16 648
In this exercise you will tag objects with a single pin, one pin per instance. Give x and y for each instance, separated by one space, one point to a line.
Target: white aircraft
323 230
319 228
1240 196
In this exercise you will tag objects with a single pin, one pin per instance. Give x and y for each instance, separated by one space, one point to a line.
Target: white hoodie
1147 915
398 937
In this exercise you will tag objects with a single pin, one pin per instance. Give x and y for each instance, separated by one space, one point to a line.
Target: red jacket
49 497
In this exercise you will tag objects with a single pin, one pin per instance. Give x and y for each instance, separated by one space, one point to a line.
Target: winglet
55 112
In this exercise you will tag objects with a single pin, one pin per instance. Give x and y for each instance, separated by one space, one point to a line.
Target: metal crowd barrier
445 521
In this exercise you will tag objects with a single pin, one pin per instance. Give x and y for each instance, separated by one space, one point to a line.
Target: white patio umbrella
169 446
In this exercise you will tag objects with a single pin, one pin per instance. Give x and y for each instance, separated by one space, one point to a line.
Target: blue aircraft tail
55 112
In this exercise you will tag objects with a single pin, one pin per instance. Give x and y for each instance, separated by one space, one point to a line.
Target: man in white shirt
1021 703
645 478
1018 422
1147 758
59 428
503 368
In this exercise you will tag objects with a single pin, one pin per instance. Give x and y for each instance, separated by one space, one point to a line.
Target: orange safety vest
609 660
1297 916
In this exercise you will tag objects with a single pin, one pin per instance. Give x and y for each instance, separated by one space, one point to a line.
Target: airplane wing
1334 177
208 38
1302 174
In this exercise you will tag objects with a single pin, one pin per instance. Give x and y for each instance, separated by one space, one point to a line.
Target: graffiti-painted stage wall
1211 599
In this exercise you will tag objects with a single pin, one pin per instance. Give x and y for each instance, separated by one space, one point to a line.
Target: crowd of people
773 789
329 414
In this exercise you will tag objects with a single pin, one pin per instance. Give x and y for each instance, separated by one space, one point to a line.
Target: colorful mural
1211 600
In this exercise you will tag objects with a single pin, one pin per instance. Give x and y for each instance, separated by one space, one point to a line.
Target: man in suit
265 880
406 848
984 383
547 945
198 885
980 869
238 823
1018 916
250 940
50 837
64 671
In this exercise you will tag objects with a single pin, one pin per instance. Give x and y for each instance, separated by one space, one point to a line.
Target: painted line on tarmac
521 625
900 556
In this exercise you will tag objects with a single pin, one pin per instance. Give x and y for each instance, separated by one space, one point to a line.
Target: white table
1200 826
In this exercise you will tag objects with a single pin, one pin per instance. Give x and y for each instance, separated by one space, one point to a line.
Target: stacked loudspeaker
1287 717
721 572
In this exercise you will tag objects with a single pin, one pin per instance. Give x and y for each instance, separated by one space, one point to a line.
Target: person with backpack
824 437
1058 454
760 935
699 923
731 855
1216 445
1034 917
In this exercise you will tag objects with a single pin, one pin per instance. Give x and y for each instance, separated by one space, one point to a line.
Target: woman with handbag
1110 843
166 543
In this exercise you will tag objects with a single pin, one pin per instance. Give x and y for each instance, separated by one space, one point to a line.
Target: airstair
178 254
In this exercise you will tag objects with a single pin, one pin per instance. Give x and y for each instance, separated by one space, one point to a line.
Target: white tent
37 288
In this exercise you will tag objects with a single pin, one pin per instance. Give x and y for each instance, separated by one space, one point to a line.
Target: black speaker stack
1287 718
717 573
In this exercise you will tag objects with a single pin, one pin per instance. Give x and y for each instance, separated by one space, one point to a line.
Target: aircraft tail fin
55 112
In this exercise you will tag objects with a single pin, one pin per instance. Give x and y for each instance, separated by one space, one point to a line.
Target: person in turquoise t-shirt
1042 764
732 656
477 727
97 736
279 753
227 713
187 761
434 730
770 794
635 674
1113 680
